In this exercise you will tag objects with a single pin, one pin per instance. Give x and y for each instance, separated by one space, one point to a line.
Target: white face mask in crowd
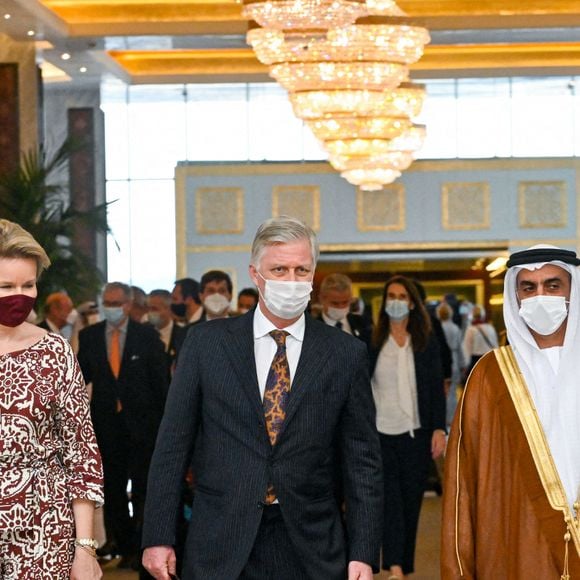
337 314
286 299
216 304
544 314
154 318
72 317
397 309
113 314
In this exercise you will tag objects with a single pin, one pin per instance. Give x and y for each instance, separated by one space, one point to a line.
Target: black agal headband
543 255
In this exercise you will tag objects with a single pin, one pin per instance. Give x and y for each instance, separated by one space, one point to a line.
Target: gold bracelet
91 551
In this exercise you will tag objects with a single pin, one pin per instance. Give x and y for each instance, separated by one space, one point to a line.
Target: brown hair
419 325
16 242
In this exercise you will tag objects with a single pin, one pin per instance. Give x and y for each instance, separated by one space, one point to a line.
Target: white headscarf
556 395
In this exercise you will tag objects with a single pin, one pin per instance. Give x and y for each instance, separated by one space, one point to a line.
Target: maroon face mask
14 309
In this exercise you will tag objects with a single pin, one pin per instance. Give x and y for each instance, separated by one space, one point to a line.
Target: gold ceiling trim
438 60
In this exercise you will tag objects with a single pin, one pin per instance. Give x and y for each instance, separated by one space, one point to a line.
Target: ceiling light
65 56
31 33
7 16
83 69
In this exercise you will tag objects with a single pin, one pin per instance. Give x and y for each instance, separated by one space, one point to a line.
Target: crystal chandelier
349 84
288 14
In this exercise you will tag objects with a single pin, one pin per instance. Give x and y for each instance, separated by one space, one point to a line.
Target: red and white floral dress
48 457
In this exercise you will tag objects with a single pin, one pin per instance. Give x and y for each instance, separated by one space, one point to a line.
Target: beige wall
24 54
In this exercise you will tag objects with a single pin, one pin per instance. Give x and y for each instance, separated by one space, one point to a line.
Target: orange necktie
115 352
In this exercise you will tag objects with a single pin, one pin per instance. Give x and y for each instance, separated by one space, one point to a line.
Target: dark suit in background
215 399
126 437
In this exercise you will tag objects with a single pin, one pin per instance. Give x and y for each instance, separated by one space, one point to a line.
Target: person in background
58 314
215 293
247 299
138 311
512 470
335 296
453 339
126 364
159 316
407 382
479 338
50 468
185 302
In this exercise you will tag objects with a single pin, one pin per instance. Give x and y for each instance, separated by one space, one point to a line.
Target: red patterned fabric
48 457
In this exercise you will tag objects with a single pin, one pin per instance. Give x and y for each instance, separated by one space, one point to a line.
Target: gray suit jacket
215 397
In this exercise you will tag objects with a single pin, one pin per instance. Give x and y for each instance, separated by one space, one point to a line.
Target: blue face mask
397 309
113 314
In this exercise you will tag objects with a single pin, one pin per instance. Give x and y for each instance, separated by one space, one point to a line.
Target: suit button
260 505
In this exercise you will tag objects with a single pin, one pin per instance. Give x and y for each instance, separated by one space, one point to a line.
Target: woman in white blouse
479 338
407 381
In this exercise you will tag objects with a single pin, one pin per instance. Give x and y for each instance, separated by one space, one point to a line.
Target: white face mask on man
544 314
285 299
337 313
216 304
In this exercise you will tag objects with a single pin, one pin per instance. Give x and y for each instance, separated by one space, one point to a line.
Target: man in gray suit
272 399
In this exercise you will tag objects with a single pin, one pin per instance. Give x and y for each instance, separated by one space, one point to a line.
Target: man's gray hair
337 282
126 289
165 295
282 230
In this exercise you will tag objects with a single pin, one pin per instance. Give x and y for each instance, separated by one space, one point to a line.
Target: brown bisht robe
504 506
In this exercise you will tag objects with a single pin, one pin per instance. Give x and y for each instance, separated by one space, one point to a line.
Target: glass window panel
483 120
275 132
119 241
157 131
217 123
440 116
542 113
115 109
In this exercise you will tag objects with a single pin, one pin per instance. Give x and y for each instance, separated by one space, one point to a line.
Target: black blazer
215 398
141 386
359 327
430 389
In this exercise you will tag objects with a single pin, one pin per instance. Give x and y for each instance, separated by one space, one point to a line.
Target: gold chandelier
349 85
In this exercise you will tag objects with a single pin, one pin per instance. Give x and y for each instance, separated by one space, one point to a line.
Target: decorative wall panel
299 201
465 206
219 210
542 204
381 211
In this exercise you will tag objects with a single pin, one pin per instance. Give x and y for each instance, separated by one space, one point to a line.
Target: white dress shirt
344 321
265 346
395 389
165 334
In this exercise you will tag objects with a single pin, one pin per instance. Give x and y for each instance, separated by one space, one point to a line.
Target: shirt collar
262 326
331 321
122 328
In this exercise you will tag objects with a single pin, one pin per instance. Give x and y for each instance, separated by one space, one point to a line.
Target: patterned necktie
115 352
276 395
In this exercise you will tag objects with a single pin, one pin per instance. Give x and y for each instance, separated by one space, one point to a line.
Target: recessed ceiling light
31 33
7 16
83 69
65 56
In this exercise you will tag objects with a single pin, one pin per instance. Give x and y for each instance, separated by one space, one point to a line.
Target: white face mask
154 318
544 314
337 313
397 309
285 298
216 304
72 317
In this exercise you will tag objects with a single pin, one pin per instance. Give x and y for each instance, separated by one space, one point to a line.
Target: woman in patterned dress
50 467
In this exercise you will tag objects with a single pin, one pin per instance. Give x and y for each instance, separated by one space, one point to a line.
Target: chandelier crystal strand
360 127
404 101
303 14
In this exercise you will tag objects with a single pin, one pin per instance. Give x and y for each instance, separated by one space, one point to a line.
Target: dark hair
215 276
419 325
249 292
189 288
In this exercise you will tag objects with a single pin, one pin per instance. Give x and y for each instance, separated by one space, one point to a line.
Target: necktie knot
279 337
338 325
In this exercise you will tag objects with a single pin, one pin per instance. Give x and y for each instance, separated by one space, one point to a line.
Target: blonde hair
16 242
338 282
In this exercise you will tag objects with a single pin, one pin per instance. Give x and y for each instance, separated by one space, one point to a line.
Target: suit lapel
313 356
240 350
129 347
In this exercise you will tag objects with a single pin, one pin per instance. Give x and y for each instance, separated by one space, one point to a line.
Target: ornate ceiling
167 41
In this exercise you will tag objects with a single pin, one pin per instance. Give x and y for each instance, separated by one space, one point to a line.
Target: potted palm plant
31 197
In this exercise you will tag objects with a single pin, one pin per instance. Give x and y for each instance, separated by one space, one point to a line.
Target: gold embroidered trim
536 438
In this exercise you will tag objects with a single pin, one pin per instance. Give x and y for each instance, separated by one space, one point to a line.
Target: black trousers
273 556
406 463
